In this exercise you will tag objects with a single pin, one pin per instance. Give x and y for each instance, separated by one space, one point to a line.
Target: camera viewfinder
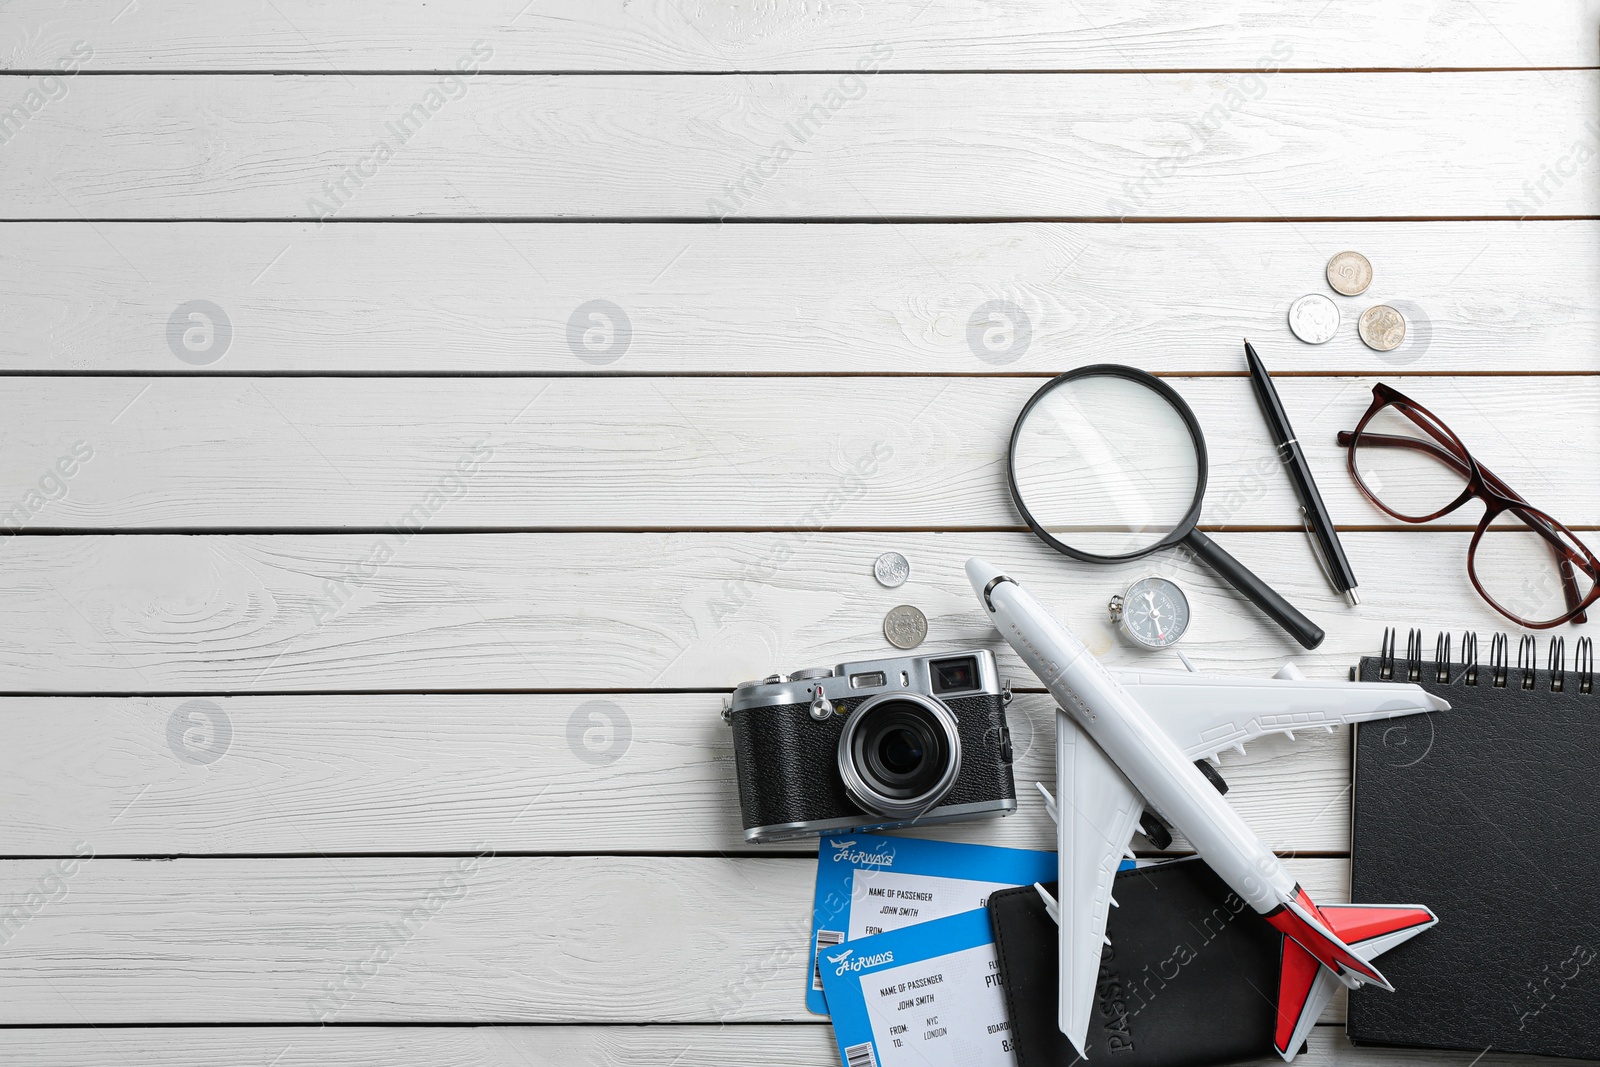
953 675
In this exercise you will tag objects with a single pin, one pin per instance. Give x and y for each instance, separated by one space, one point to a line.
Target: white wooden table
367 564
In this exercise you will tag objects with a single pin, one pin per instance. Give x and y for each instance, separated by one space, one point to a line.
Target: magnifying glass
1108 464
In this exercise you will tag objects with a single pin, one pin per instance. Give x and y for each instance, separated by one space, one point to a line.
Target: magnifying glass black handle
1285 614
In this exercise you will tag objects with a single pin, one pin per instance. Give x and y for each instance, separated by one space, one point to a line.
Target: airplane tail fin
1304 988
1330 945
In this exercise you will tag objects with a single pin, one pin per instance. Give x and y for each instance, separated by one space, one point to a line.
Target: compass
1151 613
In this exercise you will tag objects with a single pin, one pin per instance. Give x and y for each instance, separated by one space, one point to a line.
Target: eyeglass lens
1519 568
1409 470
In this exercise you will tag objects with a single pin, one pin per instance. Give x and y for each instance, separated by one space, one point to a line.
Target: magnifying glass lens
1106 465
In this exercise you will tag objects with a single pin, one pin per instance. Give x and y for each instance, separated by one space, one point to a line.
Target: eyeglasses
1529 567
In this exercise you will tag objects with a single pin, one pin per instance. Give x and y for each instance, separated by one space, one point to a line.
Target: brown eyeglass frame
1482 484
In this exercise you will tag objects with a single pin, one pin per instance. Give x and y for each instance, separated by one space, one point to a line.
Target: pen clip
1316 548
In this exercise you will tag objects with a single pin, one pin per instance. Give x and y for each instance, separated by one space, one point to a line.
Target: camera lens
900 751
897 751
899 754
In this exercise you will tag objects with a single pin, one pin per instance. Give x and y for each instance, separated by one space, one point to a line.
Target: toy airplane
1130 741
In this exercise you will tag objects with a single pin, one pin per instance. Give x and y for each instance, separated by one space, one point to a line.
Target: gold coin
1382 328
1349 273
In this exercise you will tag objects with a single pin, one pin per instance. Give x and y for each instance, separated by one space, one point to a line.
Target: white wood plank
393 453
844 298
523 773
660 35
480 939
706 146
262 614
528 1046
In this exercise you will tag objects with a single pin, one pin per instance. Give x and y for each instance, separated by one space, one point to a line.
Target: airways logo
843 852
846 964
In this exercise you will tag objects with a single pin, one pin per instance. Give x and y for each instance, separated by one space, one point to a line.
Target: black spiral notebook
1489 814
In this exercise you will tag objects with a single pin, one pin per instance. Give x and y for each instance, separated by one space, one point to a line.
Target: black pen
1318 524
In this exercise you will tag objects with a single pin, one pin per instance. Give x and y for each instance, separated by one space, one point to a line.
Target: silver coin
1349 273
1314 319
891 569
1382 328
905 626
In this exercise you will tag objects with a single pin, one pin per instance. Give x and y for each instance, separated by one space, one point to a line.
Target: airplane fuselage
1169 781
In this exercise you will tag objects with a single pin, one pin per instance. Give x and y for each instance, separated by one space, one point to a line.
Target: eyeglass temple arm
1563 552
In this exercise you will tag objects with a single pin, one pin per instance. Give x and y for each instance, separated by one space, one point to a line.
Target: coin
1314 319
1382 327
905 626
891 569
1349 273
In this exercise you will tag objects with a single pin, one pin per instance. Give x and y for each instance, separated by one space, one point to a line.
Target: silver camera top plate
938 675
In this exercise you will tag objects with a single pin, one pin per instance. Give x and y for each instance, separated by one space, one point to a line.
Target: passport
1190 977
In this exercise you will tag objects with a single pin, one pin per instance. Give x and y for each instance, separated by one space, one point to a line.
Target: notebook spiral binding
1527 658
1500 673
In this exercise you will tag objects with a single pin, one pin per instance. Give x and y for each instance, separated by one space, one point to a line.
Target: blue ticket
923 996
868 884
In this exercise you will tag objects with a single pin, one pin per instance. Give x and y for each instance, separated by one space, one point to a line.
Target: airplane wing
1206 713
1097 812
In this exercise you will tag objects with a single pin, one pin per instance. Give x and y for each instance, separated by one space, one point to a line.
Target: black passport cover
1190 976
1489 814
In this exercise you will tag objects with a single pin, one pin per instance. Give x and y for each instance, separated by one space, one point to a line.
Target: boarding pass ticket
923 996
867 884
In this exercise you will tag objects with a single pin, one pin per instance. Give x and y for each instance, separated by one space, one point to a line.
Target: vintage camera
872 745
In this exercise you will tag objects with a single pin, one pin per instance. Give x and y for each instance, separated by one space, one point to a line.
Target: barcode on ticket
825 939
860 1055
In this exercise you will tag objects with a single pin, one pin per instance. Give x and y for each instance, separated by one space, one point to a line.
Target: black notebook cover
1489 814
1188 979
